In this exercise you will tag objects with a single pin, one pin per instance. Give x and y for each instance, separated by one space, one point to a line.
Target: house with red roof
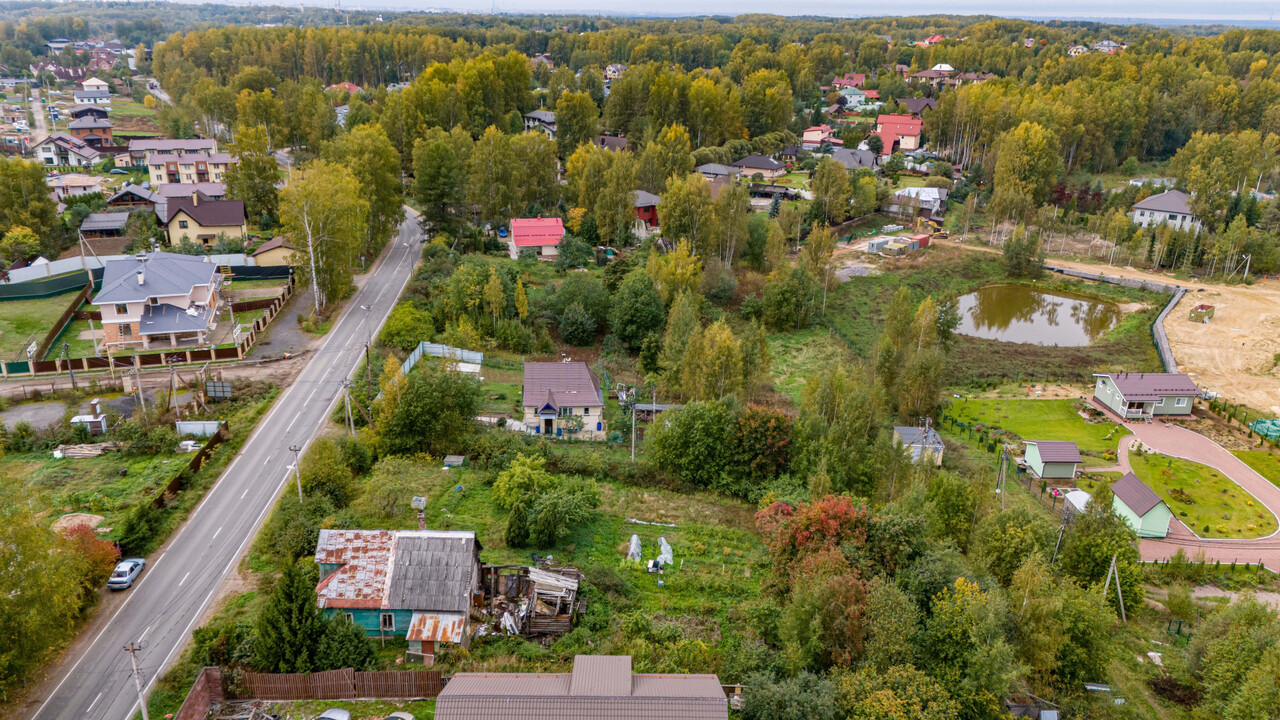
814 136
849 80
350 87
898 132
541 235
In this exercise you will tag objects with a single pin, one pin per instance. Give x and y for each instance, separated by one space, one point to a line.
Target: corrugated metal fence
342 685
1157 327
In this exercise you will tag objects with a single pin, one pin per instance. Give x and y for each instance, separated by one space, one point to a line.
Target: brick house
158 295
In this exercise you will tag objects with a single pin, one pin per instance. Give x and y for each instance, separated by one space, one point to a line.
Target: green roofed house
1141 396
1053 459
415 584
1139 506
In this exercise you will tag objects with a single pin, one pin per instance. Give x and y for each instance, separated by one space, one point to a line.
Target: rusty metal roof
400 570
437 627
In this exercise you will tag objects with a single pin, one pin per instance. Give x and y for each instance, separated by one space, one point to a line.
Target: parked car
334 714
126 572
117 171
401 715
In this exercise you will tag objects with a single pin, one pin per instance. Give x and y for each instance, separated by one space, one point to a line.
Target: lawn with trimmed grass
1205 500
1263 462
23 320
1031 419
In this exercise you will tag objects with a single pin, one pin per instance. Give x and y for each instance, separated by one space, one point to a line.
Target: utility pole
132 648
142 398
346 396
368 370
66 356
297 468
635 393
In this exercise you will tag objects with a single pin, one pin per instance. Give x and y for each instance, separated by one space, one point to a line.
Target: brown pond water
1022 314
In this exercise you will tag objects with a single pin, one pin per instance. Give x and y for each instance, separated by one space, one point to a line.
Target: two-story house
158 296
200 218
543 120
62 150
94 131
92 97
196 167
898 132
140 148
563 399
415 584
1171 207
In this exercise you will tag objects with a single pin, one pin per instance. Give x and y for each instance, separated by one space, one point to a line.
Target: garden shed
1053 459
1139 506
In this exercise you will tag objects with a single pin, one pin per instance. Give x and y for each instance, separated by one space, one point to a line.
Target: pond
1022 314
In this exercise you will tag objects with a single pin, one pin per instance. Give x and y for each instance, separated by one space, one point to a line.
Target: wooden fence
206 691
61 324
342 685
192 467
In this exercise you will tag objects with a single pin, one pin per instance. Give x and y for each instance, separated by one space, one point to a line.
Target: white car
125 573
334 714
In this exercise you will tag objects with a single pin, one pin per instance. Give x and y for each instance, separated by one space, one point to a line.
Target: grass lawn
1264 462
501 398
906 181
126 107
305 710
1204 499
1041 420
797 357
794 179
256 289
21 320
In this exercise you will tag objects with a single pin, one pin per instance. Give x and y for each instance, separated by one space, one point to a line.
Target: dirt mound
70 520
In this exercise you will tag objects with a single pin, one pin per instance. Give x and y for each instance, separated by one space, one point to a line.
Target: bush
576 326
293 529
512 335
573 252
406 326
719 283
326 472
141 529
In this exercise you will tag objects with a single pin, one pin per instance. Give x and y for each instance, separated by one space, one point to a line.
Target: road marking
313 394
246 492
291 422
184 578
215 534
95 702
264 462
144 633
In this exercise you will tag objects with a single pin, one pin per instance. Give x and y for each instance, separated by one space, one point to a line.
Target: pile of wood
90 450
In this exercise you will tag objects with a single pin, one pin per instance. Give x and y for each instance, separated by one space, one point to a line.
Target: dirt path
1235 353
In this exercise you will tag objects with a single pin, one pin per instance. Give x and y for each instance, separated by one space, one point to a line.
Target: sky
1265 12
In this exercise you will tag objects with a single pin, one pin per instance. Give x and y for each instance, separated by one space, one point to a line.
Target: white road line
184 578
144 633
289 427
215 534
313 394
264 462
95 702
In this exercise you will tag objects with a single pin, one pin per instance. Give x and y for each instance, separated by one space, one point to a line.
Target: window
350 617
122 309
182 224
153 301
126 330
1160 402
586 412
388 621
1180 402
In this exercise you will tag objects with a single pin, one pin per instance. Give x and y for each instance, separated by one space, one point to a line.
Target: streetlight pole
368 343
297 468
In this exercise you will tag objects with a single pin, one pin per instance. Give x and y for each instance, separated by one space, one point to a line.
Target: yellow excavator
931 228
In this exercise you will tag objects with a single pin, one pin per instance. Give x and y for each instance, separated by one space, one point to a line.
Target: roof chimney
140 276
195 197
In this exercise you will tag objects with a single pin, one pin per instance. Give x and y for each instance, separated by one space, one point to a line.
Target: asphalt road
176 588
40 130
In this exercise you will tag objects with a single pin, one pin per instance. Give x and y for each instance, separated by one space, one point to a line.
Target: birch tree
323 211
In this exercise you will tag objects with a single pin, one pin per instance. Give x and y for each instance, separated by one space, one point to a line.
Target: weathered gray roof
1057 451
432 571
645 199
545 116
600 688
1139 387
91 94
923 436
137 190
716 169
1169 201
105 221
563 384
171 190
164 274
89 122
758 162
853 158
1135 494
164 318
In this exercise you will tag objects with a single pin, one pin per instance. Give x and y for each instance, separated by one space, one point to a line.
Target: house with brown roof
199 218
762 165
192 167
1171 207
1053 459
563 399
1140 507
600 686
276 251
1142 396
917 106
415 584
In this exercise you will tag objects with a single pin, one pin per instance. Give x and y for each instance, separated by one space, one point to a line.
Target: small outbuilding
923 443
1053 459
1201 313
1139 506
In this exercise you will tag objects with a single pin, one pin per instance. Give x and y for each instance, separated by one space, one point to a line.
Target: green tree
1027 165
964 648
373 160
19 243
525 478
804 697
1007 538
492 182
25 200
766 101
407 326
615 209
439 184
577 121
253 177
577 327
436 414
535 154
637 310
892 621
1023 254
291 626
1093 539
344 645
694 442
663 157
325 472
899 692
682 322
324 212
688 212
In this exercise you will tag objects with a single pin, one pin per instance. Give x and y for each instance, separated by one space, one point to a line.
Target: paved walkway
1179 442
